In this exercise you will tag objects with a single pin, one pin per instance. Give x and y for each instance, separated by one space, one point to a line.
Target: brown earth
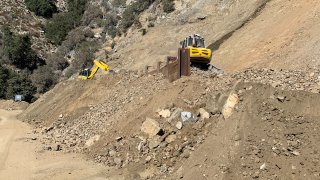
108 130
21 155
272 132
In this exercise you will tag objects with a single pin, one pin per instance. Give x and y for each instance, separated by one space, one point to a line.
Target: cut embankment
271 133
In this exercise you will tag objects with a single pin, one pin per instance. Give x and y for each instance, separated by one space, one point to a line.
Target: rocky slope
255 123
116 129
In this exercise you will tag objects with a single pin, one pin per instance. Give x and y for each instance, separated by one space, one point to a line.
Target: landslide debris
112 131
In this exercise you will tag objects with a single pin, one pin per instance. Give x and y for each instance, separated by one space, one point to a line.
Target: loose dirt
21 157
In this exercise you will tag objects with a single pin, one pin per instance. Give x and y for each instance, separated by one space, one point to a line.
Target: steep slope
284 35
272 131
13 13
212 19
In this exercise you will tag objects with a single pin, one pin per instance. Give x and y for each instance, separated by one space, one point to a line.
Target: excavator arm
98 64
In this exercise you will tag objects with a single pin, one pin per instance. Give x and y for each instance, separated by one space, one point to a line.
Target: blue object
18 98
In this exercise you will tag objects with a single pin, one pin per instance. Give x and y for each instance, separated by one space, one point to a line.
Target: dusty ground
108 130
283 35
272 132
221 18
22 158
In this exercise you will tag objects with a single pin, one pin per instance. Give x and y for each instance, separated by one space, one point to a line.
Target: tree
4 75
131 14
44 8
19 84
168 6
58 28
18 51
43 78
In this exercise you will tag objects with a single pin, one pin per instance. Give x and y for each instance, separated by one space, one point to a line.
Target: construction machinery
200 56
87 73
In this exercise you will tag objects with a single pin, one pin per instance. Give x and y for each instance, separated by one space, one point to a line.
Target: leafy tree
168 6
17 49
20 84
131 14
4 74
43 78
58 28
44 8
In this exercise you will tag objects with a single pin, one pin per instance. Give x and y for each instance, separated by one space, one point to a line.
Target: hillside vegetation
64 39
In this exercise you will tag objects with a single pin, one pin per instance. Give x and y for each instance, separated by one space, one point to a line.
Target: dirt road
22 158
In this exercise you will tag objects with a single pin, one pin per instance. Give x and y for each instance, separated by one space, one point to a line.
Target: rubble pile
130 127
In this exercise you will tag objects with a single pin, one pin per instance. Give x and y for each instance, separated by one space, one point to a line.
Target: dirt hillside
259 120
242 34
109 130
213 19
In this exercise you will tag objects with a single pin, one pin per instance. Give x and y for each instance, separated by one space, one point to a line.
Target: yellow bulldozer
200 56
87 73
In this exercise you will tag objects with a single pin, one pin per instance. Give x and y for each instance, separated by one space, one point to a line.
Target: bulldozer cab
193 41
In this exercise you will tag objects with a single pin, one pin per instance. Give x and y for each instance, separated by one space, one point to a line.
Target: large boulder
150 127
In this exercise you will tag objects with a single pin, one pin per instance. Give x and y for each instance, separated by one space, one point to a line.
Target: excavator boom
89 74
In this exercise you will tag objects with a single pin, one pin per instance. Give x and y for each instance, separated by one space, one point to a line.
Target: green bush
131 14
143 31
4 75
13 83
44 8
168 6
58 28
18 52
111 25
119 3
44 79
20 84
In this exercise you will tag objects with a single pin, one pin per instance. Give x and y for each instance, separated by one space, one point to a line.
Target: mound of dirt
107 125
12 105
272 134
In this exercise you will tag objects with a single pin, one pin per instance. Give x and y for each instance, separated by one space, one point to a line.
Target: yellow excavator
200 56
87 73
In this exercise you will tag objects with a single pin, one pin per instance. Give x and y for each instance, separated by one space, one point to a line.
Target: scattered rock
202 17
165 113
148 159
154 142
56 147
296 153
175 114
180 173
203 114
187 116
150 127
263 166
118 161
119 138
179 125
92 140
229 105
171 138
256 175
163 168
281 98
112 153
